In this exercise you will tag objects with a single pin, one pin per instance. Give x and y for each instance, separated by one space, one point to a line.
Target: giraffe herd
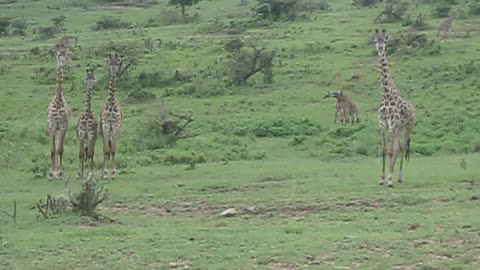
396 118
58 114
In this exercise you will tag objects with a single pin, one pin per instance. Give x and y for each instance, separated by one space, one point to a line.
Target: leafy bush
441 12
4 24
109 22
162 128
19 27
85 202
155 79
59 21
474 7
277 9
281 128
246 61
47 32
365 3
140 95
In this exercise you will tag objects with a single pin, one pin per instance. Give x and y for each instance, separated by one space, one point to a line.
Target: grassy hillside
271 146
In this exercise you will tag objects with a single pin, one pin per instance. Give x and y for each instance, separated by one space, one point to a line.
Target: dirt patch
187 208
276 178
224 189
134 4
405 267
435 257
363 204
455 242
283 266
202 208
95 221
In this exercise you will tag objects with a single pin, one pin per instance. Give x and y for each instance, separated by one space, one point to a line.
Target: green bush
109 22
441 12
47 32
365 3
474 7
140 95
287 9
155 79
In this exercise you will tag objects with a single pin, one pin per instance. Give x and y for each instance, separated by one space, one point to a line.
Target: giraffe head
115 62
337 94
90 78
62 55
380 40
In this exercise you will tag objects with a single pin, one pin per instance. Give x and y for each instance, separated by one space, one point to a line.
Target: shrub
163 128
4 25
140 95
85 202
155 79
47 32
474 7
108 22
365 3
441 12
246 61
59 21
276 9
19 27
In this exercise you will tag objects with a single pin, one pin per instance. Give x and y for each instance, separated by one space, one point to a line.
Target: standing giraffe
396 115
111 118
58 114
446 25
87 129
345 106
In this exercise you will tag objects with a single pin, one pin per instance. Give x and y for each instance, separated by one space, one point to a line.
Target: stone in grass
229 212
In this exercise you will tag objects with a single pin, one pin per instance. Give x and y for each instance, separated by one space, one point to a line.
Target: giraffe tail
407 150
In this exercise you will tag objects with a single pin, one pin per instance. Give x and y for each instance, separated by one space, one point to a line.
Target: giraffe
347 109
446 25
111 118
58 114
87 129
396 115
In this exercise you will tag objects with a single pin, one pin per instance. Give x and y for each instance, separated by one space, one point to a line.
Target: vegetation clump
109 22
86 201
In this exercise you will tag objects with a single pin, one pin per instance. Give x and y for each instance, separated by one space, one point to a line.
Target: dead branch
188 119
44 212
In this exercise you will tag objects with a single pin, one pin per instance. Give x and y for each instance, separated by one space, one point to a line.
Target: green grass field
305 189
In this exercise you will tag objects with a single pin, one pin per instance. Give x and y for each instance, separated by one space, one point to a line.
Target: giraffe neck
112 86
88 100
59 86
385 77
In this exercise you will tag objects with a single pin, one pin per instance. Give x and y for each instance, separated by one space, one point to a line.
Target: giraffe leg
395 148
400 175
336 115
106 153
60 153
51 175
384 153
113 150
81 157
90 154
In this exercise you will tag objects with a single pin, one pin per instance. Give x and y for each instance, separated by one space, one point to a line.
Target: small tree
183 4
247 59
